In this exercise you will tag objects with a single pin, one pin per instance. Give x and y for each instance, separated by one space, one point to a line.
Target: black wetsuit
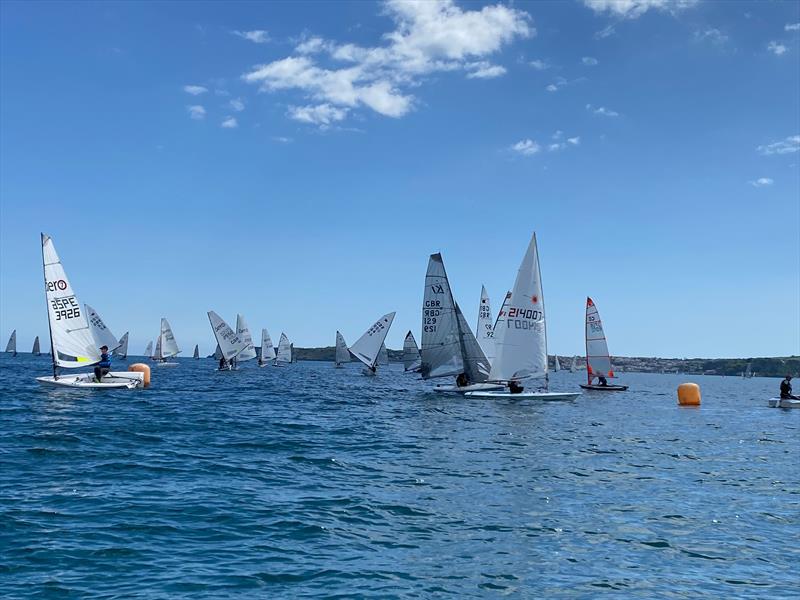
786 389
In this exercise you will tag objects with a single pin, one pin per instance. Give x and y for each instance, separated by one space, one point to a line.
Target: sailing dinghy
411 359
598 361
449 349
11 346
196 353
573 365
485 331
284 355
368 347
148 352
520 336
267 349
121 351
342 354
70 337
36 351
166 346
229 343
243 331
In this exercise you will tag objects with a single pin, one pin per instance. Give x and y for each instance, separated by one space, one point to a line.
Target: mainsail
284 350
11 346
520 333
411 359
229 342
217 352
244 332
383 355
598 361
267 349
169 347
72 341
157 352
368 346
36 351
556 364
196 353
342 353
476 365
485 330
121 351
149 350
441 346
102 334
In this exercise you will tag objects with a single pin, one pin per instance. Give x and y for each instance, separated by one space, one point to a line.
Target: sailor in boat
514 387
462 380
223 364
104 366
602 381
786 389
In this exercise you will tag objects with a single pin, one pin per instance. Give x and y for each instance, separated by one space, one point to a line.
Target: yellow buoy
689 394
142 368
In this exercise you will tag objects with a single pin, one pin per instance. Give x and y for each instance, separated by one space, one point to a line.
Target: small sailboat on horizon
11 346
196 353
368 346
284 354
341 352
36 351
598 360
411 358
166 346
267 355
121 351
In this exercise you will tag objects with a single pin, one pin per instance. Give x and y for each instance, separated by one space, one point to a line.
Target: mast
49 326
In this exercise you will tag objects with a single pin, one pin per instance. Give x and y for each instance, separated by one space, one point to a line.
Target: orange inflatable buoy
689 394
142 368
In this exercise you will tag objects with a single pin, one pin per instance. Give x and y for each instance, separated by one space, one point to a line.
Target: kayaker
786 389
104 366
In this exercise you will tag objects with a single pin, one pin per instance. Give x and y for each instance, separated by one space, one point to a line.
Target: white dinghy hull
167 364
547 396
474 387
784 403
113 380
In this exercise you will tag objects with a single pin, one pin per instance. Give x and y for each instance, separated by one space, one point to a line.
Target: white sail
383 355
520 333
267 349
485 330
342 353
73 344
157 352
476 365
149 350
196 353
598 361
169 347
284 354
36 351
368 346
228 341
11 346
243 331
573 365
121 351
101 333
441 346
411 358
556 365
217 352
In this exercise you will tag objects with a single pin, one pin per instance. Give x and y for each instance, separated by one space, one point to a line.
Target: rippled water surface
309 481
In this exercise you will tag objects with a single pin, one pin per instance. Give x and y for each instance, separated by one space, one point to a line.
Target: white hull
784 403
475 387
114 380
166 364
547 396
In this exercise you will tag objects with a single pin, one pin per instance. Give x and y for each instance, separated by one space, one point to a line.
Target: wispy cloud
195 90
633 9
776 48
602 110
196 112
526 147
539 65
561 143
761 182
229 123
713 35
605 32
428 37
791 27
785 146
589 61
282 139
257 36
321 114
237 104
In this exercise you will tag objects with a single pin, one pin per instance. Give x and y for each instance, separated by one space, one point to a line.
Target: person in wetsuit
514 387
223 364
104 366
602 381
786 389
462 380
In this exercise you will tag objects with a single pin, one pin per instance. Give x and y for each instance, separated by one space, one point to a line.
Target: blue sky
298 162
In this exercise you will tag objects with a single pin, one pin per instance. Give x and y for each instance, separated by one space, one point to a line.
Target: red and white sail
598 361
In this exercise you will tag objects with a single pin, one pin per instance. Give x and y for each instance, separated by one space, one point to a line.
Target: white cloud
791 27
561 144
761 182
602 110
715 36
786 146
230 123
589 61
605 32
257 36
526 147
321 114
485 70
633 9
539 65
575 141
282 139
237 104
776 48
428 37
196 112
195 90
552 88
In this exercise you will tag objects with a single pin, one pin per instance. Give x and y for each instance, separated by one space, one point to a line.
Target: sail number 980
65 308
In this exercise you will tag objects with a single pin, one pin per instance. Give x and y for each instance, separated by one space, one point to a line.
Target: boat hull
464 389
546 396
166 364
784 403
605 388
113 380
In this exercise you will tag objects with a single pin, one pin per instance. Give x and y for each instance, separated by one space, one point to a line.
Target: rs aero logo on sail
59 285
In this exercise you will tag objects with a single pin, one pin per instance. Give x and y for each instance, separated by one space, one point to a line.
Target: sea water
309 481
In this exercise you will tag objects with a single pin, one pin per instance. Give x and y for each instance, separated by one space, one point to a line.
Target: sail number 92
65 308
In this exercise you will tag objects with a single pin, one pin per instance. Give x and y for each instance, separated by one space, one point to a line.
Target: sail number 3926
65 308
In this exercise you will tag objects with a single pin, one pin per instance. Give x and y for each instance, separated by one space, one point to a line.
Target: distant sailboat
573 365
267 349
342 354
598 360
556 365
485 330
411 359
521 335
243 331
73 345
11 346
368 346
284 355
383 355
196 353
217 352
148 352
229 343
166 346
121 351
36 351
